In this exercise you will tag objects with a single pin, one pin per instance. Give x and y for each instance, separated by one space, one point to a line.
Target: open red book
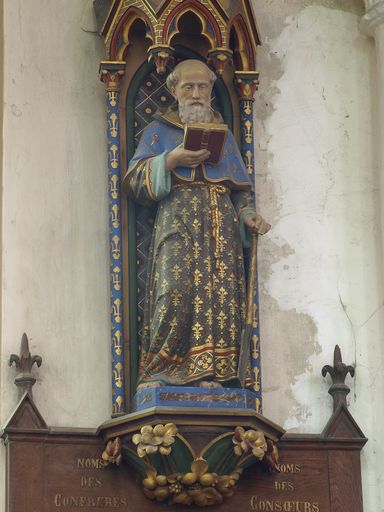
209 136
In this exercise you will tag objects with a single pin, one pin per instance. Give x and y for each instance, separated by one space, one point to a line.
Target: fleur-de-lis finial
338 372
24 363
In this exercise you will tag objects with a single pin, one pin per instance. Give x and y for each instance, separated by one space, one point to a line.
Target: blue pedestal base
179 396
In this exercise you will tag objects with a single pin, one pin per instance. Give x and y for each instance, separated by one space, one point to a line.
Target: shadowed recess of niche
190 28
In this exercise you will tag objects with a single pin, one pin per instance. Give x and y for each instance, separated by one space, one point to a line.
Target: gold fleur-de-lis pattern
194 310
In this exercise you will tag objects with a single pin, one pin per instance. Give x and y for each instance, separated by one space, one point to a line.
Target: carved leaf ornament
172 472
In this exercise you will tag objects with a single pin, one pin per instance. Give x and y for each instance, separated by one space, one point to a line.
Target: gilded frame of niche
136 32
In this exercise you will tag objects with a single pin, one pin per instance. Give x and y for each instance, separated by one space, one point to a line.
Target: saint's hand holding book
209 136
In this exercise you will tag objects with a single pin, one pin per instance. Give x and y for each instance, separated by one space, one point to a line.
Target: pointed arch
120 39
243 50
210 28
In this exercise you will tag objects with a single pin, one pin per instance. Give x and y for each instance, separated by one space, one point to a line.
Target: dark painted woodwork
24 363
45 471
61 469
346 493
338 372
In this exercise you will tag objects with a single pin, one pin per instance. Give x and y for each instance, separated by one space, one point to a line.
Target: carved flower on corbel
199 468
152 439
200 484
246 441
112 452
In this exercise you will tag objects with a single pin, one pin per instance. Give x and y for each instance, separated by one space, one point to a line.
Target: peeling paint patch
317 187
289 341
271 72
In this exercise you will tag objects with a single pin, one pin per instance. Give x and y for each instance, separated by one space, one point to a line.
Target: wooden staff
247 329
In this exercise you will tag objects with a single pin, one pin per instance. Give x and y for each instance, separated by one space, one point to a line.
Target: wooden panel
63 473
345 481
44 477
301 486
26 475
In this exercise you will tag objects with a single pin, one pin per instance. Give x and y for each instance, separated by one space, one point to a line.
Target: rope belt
214 191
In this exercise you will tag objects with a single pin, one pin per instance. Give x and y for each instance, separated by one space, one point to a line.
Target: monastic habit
195 298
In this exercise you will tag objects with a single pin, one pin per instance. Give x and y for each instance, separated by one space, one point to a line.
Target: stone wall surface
318 184
319 267
55 282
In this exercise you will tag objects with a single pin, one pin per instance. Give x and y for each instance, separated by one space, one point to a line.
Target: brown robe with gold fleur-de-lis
195 295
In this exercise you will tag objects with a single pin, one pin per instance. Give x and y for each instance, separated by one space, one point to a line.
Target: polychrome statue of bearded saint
195 294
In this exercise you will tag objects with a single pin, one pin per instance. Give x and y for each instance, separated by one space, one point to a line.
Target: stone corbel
161 55
111 74
218 58
178 471
246 83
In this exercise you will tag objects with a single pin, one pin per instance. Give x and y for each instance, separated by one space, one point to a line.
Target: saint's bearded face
191 111
193 93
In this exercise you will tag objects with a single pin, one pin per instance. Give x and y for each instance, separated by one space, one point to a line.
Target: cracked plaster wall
320 266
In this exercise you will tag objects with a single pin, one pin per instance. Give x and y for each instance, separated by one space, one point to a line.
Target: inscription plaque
68 474
65 476
301 485
61 470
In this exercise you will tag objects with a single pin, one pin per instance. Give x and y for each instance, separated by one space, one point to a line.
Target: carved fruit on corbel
197 487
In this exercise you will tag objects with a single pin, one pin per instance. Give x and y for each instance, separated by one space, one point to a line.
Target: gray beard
195 113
